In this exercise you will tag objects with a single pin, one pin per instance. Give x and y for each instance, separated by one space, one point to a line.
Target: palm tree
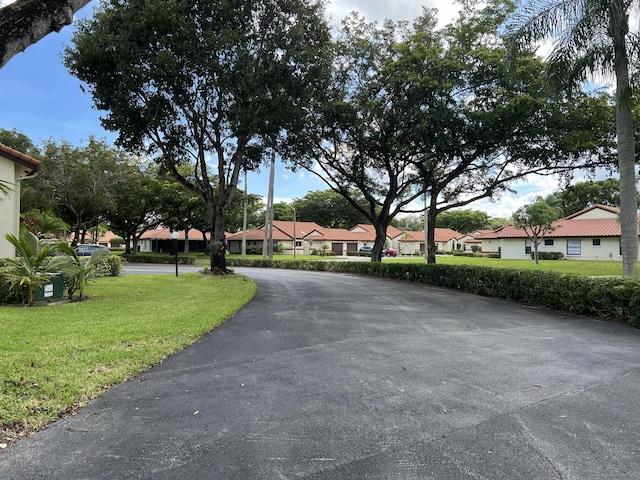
593 37
30 269
78 271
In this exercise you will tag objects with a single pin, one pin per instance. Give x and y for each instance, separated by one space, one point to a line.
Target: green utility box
52 290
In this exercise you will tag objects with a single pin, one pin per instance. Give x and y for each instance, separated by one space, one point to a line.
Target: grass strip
56 358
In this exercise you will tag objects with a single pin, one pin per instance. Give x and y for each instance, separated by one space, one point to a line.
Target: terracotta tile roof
392 232
592 227
440 234
339 234
165 234
282 231
20 158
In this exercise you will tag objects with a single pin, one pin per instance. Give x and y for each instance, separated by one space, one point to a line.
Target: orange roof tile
165 234
18 157
593 227
440 234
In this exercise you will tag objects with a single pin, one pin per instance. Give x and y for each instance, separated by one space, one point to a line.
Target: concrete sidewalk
327 376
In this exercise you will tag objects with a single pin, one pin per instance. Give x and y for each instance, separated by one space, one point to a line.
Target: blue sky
42 100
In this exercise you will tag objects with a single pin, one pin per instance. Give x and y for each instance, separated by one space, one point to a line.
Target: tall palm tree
593 37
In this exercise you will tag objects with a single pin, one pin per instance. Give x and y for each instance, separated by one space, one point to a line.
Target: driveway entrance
327 376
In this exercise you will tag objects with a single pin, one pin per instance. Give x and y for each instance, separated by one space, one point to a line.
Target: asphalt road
326 376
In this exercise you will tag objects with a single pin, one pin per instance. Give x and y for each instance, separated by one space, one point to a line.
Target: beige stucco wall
9 207
596 213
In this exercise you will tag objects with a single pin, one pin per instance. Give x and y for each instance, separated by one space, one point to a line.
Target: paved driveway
328 376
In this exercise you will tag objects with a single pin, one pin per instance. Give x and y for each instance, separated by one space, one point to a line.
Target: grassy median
56 358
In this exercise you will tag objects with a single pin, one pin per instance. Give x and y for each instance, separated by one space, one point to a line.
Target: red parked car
389 252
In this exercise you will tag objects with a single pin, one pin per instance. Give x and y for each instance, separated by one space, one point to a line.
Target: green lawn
56 358
580 267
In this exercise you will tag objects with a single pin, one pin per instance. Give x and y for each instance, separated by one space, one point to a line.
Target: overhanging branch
25 22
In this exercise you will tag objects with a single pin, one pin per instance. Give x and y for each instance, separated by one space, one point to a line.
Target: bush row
604 298
548 255
155 258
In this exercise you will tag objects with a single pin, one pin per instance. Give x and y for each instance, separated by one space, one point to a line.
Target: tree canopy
206 84
581 195
415 110
463 221
536 219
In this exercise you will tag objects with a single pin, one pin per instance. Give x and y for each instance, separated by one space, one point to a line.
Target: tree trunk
217 255
378 245
626 156
25 22
430 235
186 241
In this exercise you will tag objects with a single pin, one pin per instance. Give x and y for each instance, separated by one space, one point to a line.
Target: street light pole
175 236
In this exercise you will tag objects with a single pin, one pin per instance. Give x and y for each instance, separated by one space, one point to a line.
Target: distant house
283 236
467 242
159 241
310 236
446 240
591 234
14 167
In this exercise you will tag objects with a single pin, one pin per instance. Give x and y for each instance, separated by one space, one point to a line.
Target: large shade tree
494 124
594 37
413 109
210 84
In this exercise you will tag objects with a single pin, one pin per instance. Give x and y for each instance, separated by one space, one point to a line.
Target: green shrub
111 267
603 298
462 254
155 258
548 255
116 242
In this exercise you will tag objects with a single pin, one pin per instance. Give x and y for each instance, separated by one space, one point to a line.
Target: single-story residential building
310 236
159 241
283 236
591 234
412 243
14 168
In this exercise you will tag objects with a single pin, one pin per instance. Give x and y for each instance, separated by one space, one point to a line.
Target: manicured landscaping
56 358
576 267
589 268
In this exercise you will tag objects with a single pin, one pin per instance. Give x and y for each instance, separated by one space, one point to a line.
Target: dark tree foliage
208 84
329 209
415 110
581 195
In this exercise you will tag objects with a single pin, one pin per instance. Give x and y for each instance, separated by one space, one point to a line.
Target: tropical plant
536 219
593 37
78 271
32 268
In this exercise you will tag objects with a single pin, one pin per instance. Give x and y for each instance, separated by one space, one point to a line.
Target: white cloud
379 10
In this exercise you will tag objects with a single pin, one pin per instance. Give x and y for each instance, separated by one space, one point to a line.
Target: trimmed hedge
548 255
165 259
610 299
